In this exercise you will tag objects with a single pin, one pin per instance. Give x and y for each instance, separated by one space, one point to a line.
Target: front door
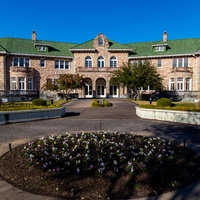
113 91
88 91
101 91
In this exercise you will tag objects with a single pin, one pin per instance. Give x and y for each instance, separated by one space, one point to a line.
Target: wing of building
28 64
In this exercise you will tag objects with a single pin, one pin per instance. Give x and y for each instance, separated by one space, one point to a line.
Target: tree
137 76
69 82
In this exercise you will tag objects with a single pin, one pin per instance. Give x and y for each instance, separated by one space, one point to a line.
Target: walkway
80 117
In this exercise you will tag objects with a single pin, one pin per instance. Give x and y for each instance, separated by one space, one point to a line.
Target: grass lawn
29 106
182 106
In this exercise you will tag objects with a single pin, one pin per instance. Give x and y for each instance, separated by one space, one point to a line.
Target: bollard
150 100
51 100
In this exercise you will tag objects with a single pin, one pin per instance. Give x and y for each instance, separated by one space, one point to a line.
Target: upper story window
180 62
159 63
21 62
42 62
160 48
100 62
113 61
88 61
61 64
42 48
100 41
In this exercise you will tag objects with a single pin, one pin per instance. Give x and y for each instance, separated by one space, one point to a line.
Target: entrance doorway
101 88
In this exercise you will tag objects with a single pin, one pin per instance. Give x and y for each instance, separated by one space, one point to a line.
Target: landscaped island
100 165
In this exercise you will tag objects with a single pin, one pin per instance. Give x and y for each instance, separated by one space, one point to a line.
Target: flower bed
96 152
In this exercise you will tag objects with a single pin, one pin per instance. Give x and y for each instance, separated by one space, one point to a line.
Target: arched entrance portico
100 88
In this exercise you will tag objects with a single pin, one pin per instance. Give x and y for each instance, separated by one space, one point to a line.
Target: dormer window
100 41
42 48
160 48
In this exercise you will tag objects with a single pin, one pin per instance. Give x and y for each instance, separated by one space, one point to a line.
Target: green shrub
163 102
100 103
39 102
106 103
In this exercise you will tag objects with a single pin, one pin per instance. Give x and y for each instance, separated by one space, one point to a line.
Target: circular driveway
120 117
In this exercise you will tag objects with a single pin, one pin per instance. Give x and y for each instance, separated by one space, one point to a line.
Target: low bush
164 102
101 103
39 102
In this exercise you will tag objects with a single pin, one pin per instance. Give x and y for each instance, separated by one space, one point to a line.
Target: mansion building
28 64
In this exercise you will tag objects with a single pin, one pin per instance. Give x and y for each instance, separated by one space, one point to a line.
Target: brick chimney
165 36
33 35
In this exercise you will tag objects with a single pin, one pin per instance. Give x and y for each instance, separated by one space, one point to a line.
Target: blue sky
77 21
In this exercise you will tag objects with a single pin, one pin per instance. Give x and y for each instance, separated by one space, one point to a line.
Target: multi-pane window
13 83
113 61
180 84
180 62
21 62
21 83
61 64
188 84
42 48
171 84
88 61
100 62
160 48
42 62
159 63
30 83
100 41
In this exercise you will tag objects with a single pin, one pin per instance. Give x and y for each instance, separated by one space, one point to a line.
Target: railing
18 95
182 69
21 69
96 69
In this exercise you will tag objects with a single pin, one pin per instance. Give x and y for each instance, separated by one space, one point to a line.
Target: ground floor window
30 83
22 83
180 84
13 83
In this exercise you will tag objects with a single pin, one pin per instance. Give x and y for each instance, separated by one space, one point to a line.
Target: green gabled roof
2 49
25 46
174 47
84 46
89 46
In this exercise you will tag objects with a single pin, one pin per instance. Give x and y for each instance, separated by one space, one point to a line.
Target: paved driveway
120 117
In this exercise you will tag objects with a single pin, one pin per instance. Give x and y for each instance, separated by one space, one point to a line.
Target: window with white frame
21 62
113 61
180 84
180 62
88 61
30 83
100 41
159 63
42 48
160 48
61 64
171 84
100 62
13 83
21 83
188 84
42 62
